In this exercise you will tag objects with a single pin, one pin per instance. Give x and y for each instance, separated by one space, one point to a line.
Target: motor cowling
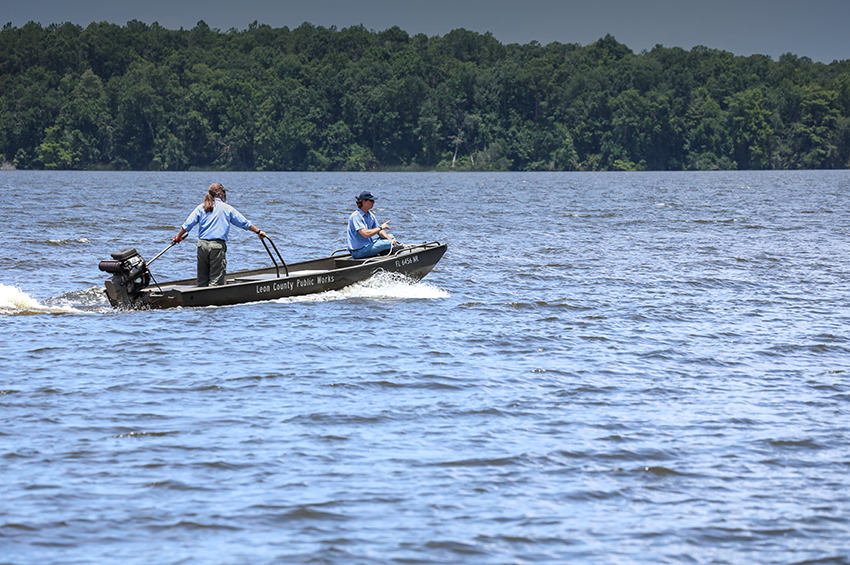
130 276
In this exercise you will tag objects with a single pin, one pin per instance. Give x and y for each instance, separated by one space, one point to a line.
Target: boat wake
381 286
16 302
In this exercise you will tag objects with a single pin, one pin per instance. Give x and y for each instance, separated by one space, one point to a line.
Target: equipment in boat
132 285
130 274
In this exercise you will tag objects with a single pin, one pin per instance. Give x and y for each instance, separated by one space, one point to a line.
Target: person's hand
262 234
177 239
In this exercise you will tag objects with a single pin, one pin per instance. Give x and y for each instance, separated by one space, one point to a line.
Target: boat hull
306 277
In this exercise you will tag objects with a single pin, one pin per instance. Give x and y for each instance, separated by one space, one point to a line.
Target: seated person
366 238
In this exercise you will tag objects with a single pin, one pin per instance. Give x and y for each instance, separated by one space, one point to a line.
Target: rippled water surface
604 368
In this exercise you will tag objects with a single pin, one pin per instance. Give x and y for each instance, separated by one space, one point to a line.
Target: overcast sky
815 28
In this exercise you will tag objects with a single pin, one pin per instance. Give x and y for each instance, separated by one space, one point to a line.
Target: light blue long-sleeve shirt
215 224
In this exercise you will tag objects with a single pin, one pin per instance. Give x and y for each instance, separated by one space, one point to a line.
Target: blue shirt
357 221
215 224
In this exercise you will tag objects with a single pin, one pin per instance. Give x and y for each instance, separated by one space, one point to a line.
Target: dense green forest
143 97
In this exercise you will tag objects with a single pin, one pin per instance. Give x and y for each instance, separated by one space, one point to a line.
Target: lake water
604 368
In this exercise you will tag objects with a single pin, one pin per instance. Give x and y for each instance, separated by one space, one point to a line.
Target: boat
132 285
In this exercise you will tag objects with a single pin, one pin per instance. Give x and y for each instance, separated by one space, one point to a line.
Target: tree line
142 97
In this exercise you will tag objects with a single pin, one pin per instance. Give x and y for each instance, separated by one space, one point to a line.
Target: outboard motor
130 276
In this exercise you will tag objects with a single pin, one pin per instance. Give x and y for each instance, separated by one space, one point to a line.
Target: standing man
366 238
214 217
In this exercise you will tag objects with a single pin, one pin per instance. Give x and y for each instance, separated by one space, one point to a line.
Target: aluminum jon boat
132 286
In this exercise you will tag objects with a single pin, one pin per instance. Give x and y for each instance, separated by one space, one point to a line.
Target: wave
382 286
16 302
68 241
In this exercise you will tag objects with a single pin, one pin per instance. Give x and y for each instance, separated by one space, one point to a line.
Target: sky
815 28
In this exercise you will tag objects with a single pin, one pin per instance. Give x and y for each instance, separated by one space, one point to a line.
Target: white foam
11 297
67 241
14 301
382 286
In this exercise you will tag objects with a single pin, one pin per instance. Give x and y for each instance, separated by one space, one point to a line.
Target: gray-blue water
604 368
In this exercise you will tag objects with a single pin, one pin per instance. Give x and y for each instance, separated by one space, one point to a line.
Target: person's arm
190 222
369 232
384 234
237 219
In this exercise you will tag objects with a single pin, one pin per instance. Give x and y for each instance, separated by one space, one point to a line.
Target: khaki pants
212 262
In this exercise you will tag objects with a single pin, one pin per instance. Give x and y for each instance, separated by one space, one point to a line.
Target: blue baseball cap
366 195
